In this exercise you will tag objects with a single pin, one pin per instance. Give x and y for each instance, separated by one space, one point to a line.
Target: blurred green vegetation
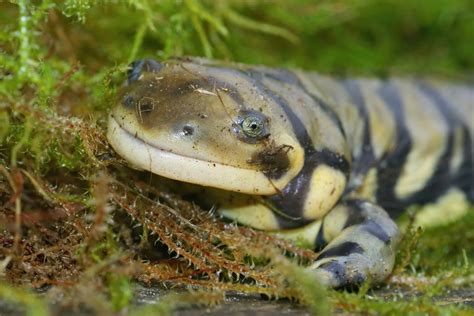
337 36
62 61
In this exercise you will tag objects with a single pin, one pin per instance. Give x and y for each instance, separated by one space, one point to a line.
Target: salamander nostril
146 105
188 130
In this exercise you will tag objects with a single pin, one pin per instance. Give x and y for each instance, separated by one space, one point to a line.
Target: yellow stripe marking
427 128
325 188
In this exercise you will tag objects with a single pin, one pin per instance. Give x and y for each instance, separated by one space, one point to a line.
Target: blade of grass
202 36
137 41
196 8
250 24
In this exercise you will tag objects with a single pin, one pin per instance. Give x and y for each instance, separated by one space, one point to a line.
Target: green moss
120 291
311 292
448 247
402 304
33 305
4 124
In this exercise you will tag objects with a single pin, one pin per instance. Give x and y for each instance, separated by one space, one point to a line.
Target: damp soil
239 304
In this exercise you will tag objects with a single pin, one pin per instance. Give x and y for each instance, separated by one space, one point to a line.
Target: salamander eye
252 126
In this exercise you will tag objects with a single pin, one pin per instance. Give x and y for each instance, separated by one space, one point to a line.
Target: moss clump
30 302
74 217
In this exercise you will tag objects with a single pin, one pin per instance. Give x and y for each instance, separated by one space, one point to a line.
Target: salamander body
332 161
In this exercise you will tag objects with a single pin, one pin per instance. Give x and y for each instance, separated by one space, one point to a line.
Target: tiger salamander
332 161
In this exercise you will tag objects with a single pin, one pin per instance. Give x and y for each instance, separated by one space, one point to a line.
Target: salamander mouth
171 165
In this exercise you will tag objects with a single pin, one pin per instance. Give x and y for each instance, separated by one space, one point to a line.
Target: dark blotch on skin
320 242
137 67
376 230
336 269
128 101
273 160
356 215
346 281
345 249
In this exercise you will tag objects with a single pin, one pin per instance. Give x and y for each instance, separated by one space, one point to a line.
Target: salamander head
206 125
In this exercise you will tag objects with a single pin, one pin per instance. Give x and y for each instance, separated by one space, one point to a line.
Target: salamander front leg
362 241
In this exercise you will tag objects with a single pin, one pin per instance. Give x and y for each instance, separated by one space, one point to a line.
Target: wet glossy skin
324 160
178 110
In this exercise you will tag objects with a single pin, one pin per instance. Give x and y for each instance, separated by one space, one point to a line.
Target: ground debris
77 232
